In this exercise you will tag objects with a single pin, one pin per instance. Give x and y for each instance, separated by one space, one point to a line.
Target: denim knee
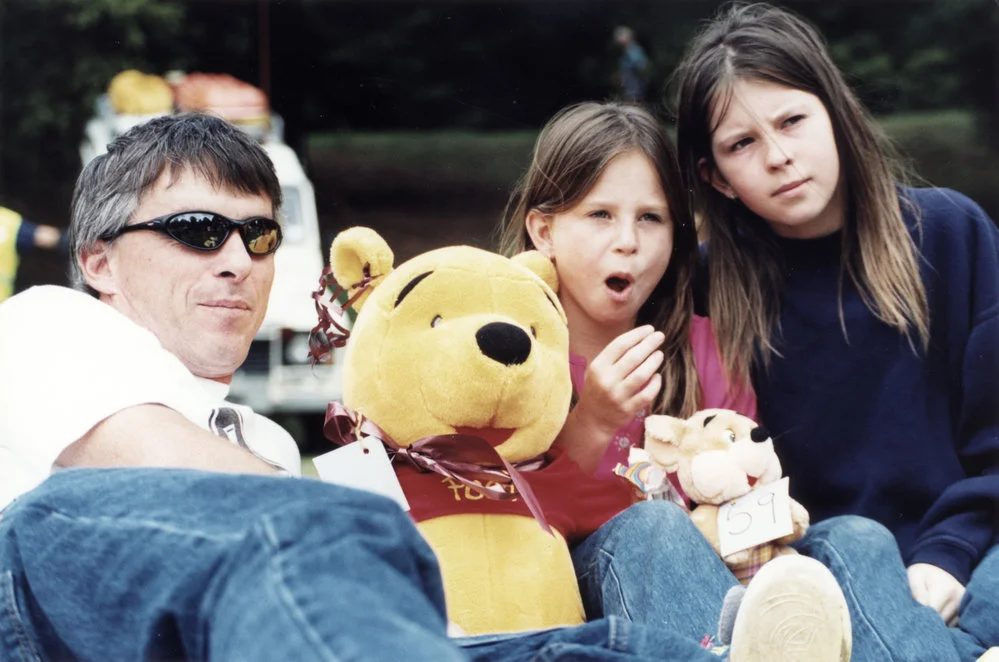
853 529
847 536
653 518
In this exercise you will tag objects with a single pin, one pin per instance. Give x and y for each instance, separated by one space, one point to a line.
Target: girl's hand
622 380
937 588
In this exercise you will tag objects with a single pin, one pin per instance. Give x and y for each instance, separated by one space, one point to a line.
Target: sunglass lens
261 236
201 231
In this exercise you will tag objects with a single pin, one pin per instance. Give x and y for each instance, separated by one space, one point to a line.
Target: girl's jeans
651 565
154 564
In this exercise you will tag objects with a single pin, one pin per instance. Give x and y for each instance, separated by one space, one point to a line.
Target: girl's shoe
792 610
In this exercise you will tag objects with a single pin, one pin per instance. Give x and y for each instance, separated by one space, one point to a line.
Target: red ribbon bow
329 333
465 458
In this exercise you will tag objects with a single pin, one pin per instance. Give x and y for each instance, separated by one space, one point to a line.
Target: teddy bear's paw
991 655
793 610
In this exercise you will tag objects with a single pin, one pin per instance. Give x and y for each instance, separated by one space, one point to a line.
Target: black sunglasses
208 231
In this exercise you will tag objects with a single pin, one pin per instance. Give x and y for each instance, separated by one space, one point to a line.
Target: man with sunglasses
118 390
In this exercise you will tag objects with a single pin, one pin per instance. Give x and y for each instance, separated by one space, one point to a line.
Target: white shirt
68 361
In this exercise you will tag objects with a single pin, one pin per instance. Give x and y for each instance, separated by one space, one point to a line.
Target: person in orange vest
19 236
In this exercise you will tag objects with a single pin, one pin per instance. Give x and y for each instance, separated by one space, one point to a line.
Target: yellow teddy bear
460 358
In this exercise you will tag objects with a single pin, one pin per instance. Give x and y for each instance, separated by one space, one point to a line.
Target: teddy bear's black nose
759 434
504 343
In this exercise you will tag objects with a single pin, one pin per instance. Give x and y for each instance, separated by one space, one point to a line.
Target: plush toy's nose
504 343
759 434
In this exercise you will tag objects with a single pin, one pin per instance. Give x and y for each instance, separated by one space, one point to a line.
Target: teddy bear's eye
435 321
731 435
534 332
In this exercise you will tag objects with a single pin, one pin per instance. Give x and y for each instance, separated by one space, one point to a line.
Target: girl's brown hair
761 42
570 154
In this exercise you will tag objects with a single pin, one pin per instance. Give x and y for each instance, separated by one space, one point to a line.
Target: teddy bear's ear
540 265
360 260
662 440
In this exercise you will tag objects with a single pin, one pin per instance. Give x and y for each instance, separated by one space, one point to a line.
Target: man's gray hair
109 188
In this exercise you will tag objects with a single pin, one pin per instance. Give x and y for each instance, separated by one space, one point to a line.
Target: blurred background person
632 66
20 237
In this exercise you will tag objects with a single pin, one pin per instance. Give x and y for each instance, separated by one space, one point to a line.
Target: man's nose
232 260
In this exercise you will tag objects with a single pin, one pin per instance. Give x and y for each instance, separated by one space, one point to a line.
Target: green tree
56 56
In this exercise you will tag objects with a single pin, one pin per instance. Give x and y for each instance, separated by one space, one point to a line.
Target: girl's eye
655 218
794 119
435 321
742 144
599 213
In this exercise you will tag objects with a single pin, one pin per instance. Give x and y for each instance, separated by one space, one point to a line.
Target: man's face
204 306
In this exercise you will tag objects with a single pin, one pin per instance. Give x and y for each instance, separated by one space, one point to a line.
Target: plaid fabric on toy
758 556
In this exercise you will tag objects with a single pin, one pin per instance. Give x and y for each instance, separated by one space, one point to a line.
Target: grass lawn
458 167
308 469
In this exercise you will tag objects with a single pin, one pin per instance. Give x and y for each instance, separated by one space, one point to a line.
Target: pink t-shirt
716 393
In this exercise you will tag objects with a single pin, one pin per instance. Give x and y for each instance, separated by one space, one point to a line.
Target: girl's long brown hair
761 42
569 156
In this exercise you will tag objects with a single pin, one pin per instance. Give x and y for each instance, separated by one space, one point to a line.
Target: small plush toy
715 456
458 360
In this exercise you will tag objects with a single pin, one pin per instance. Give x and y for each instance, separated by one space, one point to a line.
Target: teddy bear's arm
799 520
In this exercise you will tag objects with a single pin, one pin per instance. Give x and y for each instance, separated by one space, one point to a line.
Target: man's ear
710 175
97 267
539 229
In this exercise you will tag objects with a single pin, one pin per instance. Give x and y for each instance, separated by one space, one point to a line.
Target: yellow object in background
10 221
134 93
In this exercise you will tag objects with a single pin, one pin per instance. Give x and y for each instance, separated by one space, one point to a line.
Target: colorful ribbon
464 458
329 333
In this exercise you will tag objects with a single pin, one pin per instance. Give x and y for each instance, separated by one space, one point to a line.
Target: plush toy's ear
662 440
540 265
360 259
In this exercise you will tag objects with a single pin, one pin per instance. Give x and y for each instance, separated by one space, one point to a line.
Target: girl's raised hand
622 380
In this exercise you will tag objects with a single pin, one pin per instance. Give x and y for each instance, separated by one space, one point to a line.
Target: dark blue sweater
864 425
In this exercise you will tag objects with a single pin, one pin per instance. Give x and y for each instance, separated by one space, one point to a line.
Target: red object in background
222 95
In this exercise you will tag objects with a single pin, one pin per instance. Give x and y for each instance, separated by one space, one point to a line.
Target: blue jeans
605 640
650 564
129 564
888 623
136 564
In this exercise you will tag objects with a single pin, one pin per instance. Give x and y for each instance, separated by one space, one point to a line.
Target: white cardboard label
755 518
364 465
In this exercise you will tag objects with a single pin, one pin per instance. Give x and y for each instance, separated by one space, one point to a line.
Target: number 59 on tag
755 518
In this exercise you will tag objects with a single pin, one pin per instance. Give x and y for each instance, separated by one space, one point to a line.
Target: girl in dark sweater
866 315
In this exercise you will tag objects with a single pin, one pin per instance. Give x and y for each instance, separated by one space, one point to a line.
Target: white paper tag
364 465
755 518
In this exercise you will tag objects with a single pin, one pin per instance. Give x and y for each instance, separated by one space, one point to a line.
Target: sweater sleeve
962 524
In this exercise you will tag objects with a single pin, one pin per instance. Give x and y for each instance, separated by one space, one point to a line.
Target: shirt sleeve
68 362
717 391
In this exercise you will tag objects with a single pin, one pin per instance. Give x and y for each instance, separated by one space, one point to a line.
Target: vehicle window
291 214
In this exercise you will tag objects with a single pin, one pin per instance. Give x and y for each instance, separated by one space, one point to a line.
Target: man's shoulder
46 293
48 300
43 308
